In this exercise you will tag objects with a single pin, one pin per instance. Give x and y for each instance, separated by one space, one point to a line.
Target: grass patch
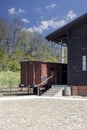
7 77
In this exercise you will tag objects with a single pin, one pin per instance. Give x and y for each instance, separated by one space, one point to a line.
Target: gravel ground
43 113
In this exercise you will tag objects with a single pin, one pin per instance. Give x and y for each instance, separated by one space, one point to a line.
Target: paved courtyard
36 113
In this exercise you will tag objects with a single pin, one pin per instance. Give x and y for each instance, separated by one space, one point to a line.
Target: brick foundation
79 90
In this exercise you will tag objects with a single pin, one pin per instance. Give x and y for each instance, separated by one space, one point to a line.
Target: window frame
84 63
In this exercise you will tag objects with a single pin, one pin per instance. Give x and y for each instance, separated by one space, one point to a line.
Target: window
84 63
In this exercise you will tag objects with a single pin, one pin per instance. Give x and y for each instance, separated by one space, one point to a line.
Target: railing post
28 88
38 91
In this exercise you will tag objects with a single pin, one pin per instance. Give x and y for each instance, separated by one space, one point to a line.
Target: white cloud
51 6
58 24
21 10
46 25
12 11
52 23
25 20
71 15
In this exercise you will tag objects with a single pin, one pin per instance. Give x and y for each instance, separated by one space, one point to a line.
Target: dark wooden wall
77 47
56 69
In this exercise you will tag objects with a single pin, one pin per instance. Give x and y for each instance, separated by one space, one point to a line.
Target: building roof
61 33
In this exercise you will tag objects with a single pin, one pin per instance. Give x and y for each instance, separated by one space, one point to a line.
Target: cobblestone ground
43 114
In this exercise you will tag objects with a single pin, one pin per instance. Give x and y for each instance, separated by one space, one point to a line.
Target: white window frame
84 63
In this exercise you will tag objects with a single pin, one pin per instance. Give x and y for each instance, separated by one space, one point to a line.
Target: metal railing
41 84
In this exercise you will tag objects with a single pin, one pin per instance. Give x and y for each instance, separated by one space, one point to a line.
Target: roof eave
55 36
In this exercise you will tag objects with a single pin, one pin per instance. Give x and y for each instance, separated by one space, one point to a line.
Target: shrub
14 66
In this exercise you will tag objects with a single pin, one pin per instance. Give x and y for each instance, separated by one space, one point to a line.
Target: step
53 90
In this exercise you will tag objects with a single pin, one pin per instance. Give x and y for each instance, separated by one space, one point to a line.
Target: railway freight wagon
34 73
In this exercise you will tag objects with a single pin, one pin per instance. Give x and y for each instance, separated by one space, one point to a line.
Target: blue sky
42 16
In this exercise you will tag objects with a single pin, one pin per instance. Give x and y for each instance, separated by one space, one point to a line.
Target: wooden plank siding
33 73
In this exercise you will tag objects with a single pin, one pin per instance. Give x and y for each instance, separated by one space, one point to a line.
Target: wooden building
34 72
74 35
